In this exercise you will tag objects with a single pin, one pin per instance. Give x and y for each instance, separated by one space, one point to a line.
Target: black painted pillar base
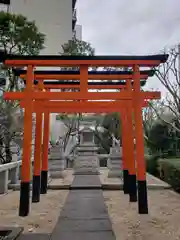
44 182
142 197
24 199
125 181
36 189
132 188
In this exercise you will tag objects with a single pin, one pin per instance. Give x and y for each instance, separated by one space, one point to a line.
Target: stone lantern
86 161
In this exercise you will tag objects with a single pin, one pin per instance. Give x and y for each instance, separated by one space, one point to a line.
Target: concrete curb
12 232
16 186
104 187
59 187
120 187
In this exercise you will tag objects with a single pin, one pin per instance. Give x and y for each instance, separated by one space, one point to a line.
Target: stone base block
57 174
55 157
115 174
4 182
86 172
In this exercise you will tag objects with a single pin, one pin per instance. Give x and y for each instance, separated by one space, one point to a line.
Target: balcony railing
74 34
74 15
74 19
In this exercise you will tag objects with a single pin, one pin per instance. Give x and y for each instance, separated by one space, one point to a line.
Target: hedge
152 164
170 172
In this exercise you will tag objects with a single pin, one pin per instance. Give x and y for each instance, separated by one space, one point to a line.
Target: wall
53 17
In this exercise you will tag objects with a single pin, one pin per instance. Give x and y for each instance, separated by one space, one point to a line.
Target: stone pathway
86 181
84 215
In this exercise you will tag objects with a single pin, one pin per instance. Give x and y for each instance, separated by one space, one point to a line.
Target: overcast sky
130 26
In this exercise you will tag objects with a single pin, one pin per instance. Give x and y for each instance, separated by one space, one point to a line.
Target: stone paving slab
66 235
85 204
35 236
117 183
84 215
88 225
100 235
86 181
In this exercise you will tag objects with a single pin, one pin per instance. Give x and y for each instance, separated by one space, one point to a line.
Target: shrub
170 172
152 164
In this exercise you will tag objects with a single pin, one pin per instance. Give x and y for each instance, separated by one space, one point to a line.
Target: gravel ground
43 215
162 223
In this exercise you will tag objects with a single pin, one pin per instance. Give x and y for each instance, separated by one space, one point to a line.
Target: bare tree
169 76
151 113
72 124
11 123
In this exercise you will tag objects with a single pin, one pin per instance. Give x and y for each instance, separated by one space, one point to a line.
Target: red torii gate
133 98
69 107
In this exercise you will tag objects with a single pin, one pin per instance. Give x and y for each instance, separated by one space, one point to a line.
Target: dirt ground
162 223
43 215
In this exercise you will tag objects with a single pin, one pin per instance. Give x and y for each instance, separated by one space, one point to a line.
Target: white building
78 32
55 18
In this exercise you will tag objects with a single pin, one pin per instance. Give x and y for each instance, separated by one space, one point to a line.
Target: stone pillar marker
86 160
56 162
4 182
115 162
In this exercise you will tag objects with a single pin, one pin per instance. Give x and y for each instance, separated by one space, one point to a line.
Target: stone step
115 164
85 168
85 172
87 161
57 174
115 161
86 155
115 167
86 158
85 165
115 157
59 168
115 174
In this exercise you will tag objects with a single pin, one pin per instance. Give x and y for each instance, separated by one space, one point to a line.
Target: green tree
77 47
103 140
18 36
160 138
112 124
74 47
